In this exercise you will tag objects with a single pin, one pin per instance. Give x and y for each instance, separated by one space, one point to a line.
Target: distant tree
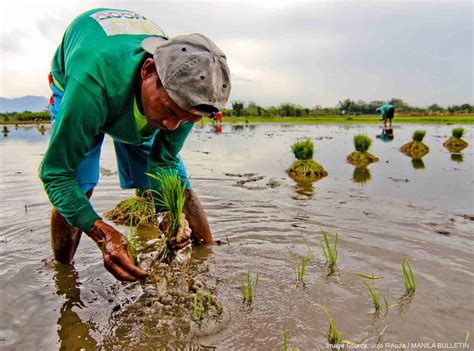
436 108
237 107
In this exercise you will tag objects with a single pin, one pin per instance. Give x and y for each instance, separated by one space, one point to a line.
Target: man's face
159 109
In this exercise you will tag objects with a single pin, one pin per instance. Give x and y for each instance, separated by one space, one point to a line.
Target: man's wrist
95 233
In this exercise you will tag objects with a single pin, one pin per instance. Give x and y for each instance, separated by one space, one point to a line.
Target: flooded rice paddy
396 208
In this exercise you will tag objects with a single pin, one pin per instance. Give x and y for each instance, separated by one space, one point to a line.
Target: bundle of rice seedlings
416 149
361 157
455 143
135 211
305 168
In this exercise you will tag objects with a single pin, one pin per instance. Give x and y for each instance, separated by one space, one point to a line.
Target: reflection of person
116 73
387 111
386 134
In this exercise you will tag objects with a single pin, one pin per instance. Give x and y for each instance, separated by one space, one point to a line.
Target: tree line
239 108
344 107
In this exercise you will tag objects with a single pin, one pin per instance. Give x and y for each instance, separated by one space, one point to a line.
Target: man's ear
148 68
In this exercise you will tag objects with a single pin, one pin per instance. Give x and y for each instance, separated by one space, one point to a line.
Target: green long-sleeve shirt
383 109
96 66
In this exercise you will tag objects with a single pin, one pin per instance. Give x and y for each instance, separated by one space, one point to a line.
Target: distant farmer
116 73
387 111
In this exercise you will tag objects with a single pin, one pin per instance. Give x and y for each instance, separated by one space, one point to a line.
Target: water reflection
304 187
73 333
5 131
361 175
41 129
386 135
457 158
417 163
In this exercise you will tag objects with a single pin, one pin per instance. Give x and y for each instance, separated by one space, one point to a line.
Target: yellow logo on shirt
125 22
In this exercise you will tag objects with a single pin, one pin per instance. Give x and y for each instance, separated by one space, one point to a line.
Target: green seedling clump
284 339
416 149
333 336
248 288
202 303
408 278
361 157
136 210
455 143
305 168
330 252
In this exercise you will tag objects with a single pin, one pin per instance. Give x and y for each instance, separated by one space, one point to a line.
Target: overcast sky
309 53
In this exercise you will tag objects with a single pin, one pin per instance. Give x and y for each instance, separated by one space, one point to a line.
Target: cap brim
150 44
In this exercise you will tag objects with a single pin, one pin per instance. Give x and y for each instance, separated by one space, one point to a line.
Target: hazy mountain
24 103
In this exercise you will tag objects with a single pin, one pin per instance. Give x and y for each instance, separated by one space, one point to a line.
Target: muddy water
394 209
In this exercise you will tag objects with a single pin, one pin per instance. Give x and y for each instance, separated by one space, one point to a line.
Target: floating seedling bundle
416 149
455 143
361 157
305 168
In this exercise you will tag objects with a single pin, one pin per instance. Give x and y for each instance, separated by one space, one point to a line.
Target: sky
309 53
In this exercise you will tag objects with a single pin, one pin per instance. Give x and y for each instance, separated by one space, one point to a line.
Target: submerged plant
248 288
374 295
408 278
458 132
362 142
303 149
330 252
419 135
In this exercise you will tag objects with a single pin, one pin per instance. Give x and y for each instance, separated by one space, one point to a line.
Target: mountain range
24 103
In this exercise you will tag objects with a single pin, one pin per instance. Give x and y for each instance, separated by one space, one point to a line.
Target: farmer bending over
387 111
116 73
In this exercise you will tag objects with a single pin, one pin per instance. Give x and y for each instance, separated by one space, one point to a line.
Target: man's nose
171 122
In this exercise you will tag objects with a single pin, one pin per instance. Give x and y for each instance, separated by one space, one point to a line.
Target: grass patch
303 149
330 253
362 142
418 135
248 288
408 278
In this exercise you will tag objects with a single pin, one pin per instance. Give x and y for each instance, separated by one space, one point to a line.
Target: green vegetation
419 135
408 278
375 298
134 211
301 267
171 197
333 336
362 142
305 168
372 277
201 304
330 252
248 288
284 339
458 132
303 149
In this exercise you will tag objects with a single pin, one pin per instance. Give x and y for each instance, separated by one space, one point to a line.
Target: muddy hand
117 259
182 238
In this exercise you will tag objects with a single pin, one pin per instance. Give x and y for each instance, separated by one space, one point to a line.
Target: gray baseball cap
193 71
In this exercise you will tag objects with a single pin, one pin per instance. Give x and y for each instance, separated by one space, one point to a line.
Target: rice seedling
284 338
301 268
199 305
136 210
333 336
362 142
374 295
458 132
248 288
310 252
330 252
408 278
171 197
303 149
372 277
419 135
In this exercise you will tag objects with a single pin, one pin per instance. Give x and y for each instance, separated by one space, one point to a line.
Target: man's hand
183 237
117 259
